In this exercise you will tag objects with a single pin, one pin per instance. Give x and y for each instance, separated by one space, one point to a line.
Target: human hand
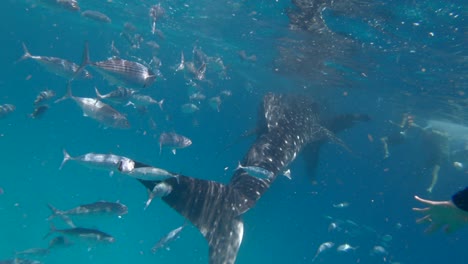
441 214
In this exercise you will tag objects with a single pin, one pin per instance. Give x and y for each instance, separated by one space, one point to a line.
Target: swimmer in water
437 145
398 136
449 215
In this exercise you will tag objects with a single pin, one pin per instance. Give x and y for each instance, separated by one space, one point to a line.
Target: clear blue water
382 58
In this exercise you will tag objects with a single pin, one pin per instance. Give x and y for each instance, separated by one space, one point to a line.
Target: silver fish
138 100
323 247
33 252
257 172
71 5
6 109
99 111
96 208
153 44
173 141
181 65
197 96
81 232
155 12
341 205
97 16
107 162
59 241
215 102
345 248
44 96
121 72
171 236
189 108
58 66
159 190
144 172
19 261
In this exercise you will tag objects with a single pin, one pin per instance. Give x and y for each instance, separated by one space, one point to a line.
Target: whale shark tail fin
211 207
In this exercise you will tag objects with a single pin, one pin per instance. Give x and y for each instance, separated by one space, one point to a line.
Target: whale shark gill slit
288 124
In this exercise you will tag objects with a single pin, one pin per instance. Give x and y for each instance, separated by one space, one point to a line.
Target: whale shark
287 125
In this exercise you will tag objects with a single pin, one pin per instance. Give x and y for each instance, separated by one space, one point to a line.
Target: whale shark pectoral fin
320 133
212 208
333 138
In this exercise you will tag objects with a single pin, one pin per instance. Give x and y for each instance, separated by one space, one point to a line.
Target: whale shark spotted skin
288 123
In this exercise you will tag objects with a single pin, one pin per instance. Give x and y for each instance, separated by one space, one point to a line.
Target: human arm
449 215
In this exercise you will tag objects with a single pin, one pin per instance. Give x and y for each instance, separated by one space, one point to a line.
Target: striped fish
121 72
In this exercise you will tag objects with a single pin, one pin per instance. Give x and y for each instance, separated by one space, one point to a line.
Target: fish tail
26 54
51 231
160 103
67 95
239 165
98 94
54 211
150 199
66 157
84 62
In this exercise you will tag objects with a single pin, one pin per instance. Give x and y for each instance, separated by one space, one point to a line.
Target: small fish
345 248
341 205
323 247
118 96
6 109
129 26
200 74
119 71
33 252
138 100
181 65
57 66
198 96
155 12
333 226
59 241
189 108
153 44
144 172
378 251
215 102
159 190
97 16
173 141
255 171
39 111
99 111
96 208
84 233
458 165
243 56
171 236
107 162
44 96
226 93
71 5
19 261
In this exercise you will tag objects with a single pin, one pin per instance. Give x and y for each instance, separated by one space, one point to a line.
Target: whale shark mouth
287 124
